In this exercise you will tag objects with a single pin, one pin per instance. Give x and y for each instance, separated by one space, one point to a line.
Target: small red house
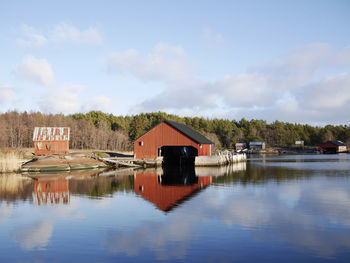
171 136
51 140
333 147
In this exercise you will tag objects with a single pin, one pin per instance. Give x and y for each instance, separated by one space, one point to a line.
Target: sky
270 60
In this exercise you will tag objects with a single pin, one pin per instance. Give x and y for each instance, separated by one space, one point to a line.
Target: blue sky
285 60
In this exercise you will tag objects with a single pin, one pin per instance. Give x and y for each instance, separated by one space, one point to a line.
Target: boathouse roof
192 134
338 143
189 132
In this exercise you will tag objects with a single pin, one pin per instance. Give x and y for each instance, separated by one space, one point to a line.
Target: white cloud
329 93
98 103
295 88
35 70
342 57
164 63
245 90
68 99
34 236
312 55
65 32
32 38
60 33
182 97
6 94
62 101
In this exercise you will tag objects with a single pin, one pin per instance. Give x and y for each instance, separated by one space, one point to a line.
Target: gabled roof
190 133
338 143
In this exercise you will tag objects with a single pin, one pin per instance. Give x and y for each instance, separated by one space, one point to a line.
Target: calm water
272 209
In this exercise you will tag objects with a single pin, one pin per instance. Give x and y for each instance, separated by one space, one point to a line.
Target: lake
292 208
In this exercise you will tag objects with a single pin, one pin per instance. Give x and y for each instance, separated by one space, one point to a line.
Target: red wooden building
51 140
170 136
333 147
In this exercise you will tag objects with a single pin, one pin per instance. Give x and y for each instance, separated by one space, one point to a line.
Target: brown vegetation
10 160
98 130
16 131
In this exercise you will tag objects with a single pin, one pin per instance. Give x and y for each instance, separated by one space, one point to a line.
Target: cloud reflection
5 212
302 216
157 236
34 236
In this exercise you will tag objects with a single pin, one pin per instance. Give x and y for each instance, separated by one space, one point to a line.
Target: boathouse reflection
167 188
52 188
51 192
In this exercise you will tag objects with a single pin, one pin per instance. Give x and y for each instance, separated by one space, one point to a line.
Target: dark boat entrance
330 150
178 175
178 155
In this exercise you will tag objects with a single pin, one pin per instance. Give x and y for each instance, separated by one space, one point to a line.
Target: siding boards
165 135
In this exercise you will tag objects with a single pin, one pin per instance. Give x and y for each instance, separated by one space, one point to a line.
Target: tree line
98 130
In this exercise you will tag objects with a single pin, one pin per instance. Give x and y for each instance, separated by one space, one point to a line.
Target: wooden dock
120 162
223 158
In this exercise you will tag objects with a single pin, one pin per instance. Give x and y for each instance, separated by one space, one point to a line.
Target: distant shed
299 143
257 146
169 137
51 140
333 147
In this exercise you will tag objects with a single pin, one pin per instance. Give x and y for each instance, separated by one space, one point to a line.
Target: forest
98 130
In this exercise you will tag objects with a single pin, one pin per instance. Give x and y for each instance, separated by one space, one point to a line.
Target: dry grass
10 160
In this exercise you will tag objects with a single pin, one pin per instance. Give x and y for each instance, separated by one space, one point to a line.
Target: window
141 143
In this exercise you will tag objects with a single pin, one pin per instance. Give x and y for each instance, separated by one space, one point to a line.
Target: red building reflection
51 191
165 197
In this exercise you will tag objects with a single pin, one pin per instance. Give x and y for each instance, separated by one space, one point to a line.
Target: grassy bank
11 160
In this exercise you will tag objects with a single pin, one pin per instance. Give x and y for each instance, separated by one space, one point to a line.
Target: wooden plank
109 160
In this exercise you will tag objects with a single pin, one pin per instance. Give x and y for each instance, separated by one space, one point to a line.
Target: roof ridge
184 129
189 132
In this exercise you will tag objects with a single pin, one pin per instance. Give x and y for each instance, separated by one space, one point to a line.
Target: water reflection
56 188
170 187
218 171
15 187
48 191
247 212
36 235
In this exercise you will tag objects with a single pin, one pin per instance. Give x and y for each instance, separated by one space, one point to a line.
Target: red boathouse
333 147
170 137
